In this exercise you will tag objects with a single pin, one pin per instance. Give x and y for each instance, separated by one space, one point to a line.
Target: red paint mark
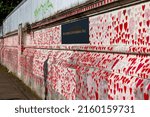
125 89
114 86
114 92
96 94
110 81
121 90
139 82
147 39
128 36
128 82
148 87
124 12
141 89
139 30
124 98
100 34
144 49
117 29
140 24
146 96
121 26
143 7
148 23
113 18
128 69
140 65
142 15
114 64
144 30
117 86
126 17
117 40
130 91
110 90
125 25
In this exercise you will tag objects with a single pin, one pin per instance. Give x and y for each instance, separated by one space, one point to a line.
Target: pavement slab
11 88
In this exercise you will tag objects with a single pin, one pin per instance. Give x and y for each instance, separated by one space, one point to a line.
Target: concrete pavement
11 88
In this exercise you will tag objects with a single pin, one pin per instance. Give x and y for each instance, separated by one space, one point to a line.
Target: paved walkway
11 88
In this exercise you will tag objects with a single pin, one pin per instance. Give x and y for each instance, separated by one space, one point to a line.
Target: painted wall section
45 37
9 53
114 66
123 30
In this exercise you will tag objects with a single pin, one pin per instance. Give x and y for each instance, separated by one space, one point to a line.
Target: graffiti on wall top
43 8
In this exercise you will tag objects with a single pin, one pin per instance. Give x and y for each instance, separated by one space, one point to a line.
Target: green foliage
6 6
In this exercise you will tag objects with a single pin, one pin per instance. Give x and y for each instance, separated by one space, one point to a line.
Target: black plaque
76 32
